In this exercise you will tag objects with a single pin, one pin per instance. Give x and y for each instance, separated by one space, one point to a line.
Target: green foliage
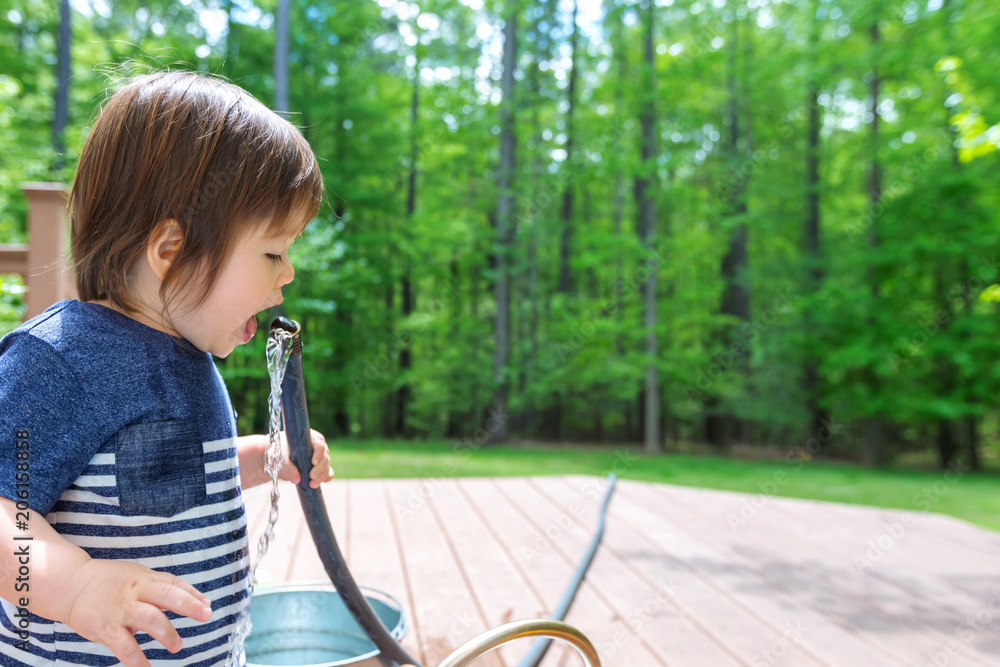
897 324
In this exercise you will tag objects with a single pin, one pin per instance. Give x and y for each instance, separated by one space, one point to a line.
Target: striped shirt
132 456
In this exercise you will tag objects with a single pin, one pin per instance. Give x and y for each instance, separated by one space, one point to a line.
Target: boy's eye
274 258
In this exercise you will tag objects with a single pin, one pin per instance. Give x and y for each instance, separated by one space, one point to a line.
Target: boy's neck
144 291
138 315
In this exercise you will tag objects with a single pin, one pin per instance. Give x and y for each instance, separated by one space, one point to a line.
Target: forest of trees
753 222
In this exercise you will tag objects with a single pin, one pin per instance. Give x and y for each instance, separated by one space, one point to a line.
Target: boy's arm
252 449
105 601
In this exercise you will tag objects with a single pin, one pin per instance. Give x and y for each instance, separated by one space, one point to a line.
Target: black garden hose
296 418
538 649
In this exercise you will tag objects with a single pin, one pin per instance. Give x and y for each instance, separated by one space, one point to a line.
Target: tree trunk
387 421
949 431
593 291
533 228
566 215
406 291
947 448
453 429
736 294
505 205
968 427
338 402
61 116
812 247
874 446
971 428
646 202
281 29
232 48
618 213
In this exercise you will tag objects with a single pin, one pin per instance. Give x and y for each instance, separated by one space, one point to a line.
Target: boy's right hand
109 601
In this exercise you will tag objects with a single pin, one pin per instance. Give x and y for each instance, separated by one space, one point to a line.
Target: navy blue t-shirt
127 438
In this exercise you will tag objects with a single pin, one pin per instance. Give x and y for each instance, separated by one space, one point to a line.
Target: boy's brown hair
195 149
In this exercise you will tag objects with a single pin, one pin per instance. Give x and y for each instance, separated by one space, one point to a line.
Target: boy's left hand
321 470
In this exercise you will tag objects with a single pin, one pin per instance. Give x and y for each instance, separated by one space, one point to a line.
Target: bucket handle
509 632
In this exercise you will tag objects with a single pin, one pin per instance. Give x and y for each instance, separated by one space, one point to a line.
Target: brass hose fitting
504 634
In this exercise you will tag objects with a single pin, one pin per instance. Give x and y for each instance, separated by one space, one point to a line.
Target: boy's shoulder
70 321
88 336
58 326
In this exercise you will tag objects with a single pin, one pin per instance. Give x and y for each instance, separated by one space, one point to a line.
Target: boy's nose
288 274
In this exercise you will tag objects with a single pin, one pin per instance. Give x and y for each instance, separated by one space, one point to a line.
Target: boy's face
249 283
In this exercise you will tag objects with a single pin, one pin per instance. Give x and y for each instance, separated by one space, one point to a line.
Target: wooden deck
684 576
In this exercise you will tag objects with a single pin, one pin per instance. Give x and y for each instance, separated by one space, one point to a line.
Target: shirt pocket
159 468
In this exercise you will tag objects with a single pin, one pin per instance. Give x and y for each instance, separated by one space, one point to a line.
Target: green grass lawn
972 497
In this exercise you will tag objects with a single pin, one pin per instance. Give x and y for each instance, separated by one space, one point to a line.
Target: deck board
448 608
647 605
826 578
375 552
488 566
938 581
550 570
908 575
923 550
698 613
463 555
767 585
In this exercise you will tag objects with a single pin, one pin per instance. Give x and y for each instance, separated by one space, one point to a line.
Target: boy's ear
164 244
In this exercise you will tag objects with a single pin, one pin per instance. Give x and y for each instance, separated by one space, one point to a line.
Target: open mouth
256 321
249 329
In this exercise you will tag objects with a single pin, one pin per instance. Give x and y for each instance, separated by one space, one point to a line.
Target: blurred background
753 229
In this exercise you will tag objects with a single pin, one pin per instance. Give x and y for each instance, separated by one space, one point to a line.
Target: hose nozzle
292 327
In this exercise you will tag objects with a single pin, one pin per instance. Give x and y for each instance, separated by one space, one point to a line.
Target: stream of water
279 348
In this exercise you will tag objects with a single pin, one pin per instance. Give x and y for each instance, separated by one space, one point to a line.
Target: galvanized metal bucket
307 624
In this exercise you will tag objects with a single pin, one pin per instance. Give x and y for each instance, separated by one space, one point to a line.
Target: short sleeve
47 428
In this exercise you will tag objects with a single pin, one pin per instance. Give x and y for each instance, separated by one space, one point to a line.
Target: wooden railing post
47 275
13 258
